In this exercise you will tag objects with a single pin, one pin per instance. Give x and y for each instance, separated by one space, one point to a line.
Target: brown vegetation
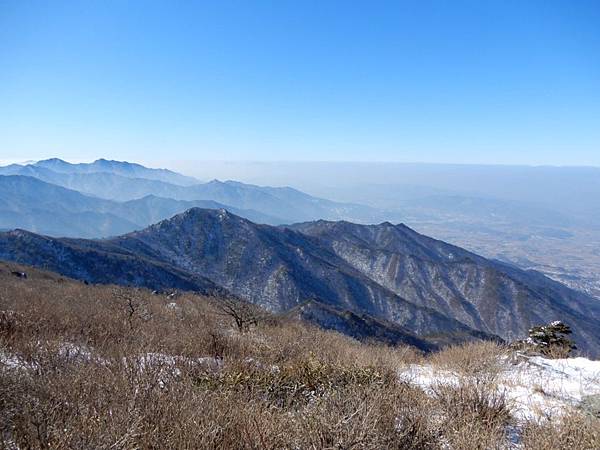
106 367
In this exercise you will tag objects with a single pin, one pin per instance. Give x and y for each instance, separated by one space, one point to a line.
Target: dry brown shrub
481 358
81 383
362 417
573 431
106 367
558 352
474 414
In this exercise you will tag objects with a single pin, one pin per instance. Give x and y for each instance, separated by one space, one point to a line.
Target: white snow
549 387
167 365
173 306
14 362
78 353
66 350
222 214
535 387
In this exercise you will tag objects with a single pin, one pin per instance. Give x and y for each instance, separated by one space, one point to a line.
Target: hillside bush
87 366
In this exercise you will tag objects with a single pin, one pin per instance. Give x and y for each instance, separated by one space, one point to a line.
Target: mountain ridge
123 168
323 277
29 203
280 268
453 280
285 203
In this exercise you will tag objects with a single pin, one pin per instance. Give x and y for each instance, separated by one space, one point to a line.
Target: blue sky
509 82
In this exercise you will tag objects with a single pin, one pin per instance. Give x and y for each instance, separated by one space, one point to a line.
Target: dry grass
474 359
573 431
107 367
473 409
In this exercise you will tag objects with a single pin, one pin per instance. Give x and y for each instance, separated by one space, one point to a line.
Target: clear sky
507 81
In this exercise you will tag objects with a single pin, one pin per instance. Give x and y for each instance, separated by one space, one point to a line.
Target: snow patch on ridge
536 388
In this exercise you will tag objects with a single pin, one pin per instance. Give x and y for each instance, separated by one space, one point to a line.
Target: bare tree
244 314
133 305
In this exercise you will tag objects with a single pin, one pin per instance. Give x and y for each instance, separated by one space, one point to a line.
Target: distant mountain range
121 168
126 182
384 280
45 208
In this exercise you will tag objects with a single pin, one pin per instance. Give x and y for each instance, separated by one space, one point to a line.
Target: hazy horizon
178 165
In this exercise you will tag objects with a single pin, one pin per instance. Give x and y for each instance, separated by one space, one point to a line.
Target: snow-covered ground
535 387
149 361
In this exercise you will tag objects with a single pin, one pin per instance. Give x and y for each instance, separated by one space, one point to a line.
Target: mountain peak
119 168
19 232
103 161
201 215
52 160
